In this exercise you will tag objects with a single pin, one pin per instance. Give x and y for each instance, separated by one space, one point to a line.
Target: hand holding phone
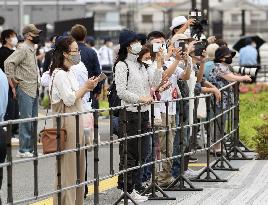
102 77
199 48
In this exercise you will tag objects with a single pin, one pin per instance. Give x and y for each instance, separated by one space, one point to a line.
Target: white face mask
14 41
136 48
148 62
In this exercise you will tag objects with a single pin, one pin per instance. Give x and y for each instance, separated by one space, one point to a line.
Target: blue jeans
176 145
28 107
147 171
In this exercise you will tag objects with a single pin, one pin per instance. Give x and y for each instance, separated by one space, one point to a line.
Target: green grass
252 108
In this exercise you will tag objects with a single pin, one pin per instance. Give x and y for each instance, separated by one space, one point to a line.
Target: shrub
261 141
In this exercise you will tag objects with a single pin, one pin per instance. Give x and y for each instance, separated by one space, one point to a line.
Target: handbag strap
50 93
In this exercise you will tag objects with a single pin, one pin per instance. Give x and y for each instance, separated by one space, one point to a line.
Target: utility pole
193 4
57 11
243 23
205 10
21 16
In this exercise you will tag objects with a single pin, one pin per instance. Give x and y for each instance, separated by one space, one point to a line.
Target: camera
200 24
199 48
245 71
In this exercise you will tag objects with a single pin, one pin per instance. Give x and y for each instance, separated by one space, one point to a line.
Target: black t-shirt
4 54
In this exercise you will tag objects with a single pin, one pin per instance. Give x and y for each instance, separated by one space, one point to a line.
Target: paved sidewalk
247 186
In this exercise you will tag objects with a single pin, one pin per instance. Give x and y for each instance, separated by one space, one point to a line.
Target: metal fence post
154 186
111 144
35 162
78 152
58 158
179 183
9 167
236 149
96 158
207 170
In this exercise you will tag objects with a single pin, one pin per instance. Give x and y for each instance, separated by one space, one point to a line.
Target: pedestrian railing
229 139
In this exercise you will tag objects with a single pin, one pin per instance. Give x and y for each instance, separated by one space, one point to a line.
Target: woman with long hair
66 98
133 82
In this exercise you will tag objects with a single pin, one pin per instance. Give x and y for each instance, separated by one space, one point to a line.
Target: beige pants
164 176
73 196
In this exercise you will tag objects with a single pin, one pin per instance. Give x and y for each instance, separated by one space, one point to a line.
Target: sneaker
20 154
192 159
15 140
137 197
28 155
191 173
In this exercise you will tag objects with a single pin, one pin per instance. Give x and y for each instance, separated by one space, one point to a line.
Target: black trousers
134 178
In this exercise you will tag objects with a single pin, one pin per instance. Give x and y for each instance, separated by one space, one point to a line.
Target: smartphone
102 77
180 44
199 48
156 47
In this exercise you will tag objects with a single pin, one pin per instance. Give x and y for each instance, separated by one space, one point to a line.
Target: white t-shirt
167 94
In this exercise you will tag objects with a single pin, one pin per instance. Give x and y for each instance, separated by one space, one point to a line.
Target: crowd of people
143 68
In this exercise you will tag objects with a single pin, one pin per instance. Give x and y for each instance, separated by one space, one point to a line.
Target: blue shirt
3 94
208 68
248 55
90 59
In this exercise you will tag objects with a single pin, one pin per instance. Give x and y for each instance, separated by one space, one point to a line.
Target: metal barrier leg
58 158
125 196
179 183
111 144
153 188
96 158
9 167
35 162
208 170
219 164
235 152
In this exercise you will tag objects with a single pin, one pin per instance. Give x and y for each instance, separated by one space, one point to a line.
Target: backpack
113 98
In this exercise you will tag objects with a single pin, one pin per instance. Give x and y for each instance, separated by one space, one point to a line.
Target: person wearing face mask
221 76
66 98
89 58
180 25
106 58
21 68
9 41
133 82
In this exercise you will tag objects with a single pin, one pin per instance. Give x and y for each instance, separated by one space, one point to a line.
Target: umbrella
242 42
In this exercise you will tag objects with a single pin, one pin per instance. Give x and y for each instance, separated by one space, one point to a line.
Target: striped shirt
22 66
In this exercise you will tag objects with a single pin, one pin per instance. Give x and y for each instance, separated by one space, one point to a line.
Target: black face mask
228 60
35 39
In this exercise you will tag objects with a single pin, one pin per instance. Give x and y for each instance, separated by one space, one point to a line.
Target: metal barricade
181 183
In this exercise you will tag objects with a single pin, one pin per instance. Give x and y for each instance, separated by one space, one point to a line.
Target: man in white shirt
106 59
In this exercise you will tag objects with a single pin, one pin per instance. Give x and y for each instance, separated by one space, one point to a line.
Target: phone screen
156 47
180 44
102 77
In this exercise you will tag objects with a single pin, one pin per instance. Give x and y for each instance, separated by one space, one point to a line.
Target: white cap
177 21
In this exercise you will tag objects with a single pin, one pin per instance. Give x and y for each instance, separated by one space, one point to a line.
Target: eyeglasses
74 51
